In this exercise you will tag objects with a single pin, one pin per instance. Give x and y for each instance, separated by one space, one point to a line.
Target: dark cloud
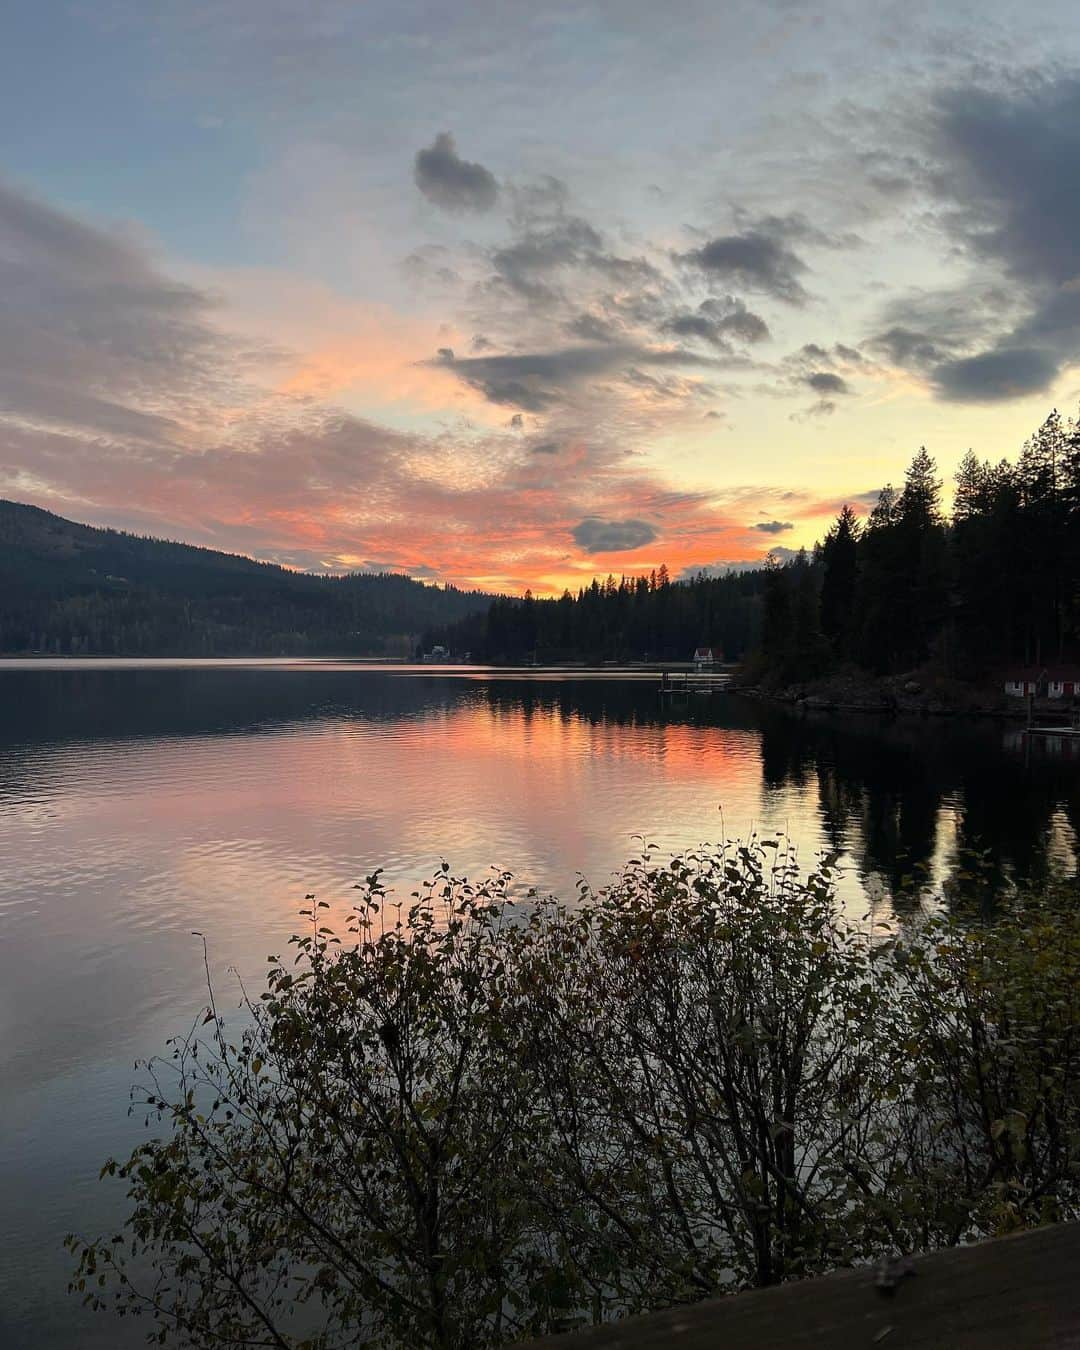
994 376
531 264
612 536
734 319
718 322
754 260
1012 153
1010 201
696 325
446 353
450 182
825 382
593 328
794 227
773 526
536 381
906 347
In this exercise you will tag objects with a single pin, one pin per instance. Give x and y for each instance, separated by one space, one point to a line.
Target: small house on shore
704 656
1043 682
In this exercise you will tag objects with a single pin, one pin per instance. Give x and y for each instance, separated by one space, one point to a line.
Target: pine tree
919 504
777 617
839 559
970 493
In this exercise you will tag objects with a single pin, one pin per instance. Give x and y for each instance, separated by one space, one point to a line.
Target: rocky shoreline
931 696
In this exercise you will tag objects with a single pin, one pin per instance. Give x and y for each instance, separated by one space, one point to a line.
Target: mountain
74 589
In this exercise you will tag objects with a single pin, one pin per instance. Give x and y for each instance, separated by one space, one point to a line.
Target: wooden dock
1014 1293
683 683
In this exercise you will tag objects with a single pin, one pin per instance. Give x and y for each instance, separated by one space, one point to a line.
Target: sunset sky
513 294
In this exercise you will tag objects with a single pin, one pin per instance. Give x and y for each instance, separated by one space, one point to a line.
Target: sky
512 294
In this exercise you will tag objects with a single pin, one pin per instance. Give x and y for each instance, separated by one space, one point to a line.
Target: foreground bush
475 1121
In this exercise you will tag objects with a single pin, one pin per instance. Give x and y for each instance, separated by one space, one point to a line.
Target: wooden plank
1016 1293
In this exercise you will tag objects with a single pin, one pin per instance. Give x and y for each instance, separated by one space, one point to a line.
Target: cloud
718 322
545 249
537 381
1010 150
1010 203
612 536
593 328
92 336
734 320
993 376
450 182
773 526
755 260
905 346
824 382
126 401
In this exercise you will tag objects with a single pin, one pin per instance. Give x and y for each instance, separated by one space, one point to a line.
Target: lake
140 801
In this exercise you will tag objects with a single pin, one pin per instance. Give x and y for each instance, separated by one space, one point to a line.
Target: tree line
646 617
994 582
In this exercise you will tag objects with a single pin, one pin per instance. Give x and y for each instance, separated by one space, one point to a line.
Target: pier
683 683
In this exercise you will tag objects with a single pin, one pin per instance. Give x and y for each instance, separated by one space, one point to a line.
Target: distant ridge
73 589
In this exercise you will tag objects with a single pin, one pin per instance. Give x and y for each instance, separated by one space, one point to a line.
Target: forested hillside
75 590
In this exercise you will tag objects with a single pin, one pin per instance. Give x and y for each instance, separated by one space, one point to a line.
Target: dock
683 683
1008 1293
1068 728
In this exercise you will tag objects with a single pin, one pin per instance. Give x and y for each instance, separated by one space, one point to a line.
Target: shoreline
895 695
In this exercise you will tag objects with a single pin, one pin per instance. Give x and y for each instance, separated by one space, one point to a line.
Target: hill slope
73 589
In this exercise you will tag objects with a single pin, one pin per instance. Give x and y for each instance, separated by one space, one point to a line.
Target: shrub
479 1121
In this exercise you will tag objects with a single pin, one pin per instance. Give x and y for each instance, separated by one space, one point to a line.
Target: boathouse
1044 682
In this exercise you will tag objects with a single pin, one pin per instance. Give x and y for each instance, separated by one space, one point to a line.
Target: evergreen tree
777 617
839 558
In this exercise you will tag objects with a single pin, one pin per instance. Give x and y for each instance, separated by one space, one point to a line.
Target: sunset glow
644 285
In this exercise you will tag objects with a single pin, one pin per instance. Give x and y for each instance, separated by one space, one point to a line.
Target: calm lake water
140 801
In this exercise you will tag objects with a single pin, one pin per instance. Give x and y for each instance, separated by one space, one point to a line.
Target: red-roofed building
1044 682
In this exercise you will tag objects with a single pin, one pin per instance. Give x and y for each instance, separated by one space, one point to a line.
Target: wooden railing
1014 1293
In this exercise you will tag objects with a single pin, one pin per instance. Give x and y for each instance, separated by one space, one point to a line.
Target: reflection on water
140 803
